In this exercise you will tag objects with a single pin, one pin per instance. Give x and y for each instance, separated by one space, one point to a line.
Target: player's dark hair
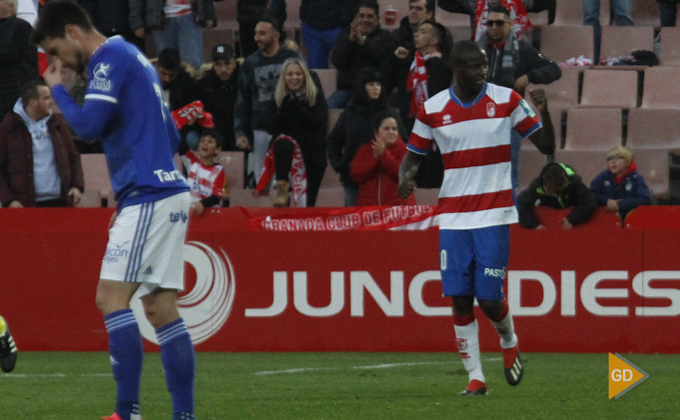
461 49
499 9
53 18
429 5
370 4
554 178
214 133
267 18
169 59
30 91
439 31
382 116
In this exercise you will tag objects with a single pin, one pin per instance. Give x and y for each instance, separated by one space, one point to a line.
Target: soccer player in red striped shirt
472 123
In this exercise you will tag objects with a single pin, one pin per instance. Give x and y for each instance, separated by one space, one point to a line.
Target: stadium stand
328 78
233 164
561 43
427 196
645 13
661 88
90 198
609 88
570 12
670 46
623 40
96 173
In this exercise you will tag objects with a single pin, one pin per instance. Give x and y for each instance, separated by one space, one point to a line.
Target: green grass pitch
353 386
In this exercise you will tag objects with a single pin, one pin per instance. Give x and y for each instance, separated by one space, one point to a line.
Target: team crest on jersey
101 80
490 109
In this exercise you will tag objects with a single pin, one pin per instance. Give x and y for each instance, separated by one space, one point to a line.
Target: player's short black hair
554 178
371 4
267 18
462 48
214 133
439 31
53 18
169 59
499 9
30 91
429 5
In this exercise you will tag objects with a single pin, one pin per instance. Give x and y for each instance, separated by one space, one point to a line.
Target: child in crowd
206 178
619 188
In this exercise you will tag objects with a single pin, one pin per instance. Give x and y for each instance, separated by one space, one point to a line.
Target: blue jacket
632 191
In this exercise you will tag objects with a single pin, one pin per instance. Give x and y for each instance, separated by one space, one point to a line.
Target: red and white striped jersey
474 139
176 8
204 181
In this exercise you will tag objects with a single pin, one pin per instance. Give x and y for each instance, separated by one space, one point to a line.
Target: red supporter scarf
417 83
631 168
184 114
298 172
518 16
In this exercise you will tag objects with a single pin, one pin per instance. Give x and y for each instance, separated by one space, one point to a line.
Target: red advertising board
596 288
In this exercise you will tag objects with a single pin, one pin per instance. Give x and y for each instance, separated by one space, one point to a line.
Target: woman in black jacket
298 110
353 128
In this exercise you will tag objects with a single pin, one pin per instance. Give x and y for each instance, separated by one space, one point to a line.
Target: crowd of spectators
272 91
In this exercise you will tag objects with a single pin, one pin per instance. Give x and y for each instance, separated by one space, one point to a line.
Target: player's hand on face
539 98
15 205
242 143
401 52
113 219
53 75
406 187
521 82
74 196
196 209
566 224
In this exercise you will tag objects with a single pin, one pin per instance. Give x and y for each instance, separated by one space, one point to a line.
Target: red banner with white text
596 288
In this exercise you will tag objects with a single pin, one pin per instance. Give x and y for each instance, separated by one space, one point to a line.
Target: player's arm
88 121
407 173
543 139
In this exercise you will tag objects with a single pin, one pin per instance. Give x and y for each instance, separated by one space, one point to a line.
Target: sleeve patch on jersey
101 78
101 98
530 112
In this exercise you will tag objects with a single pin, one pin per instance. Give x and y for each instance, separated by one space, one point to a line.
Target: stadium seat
652 133
531 161
670 46
91 198
609 88
540 18
427 196
233 164
96 173
560 43
330 197
452 19
328 78
245 198
293 14
562 93
333 115
216 36
226 14
593 129
331 179
661 88
570 12
460 33
645 13
623 40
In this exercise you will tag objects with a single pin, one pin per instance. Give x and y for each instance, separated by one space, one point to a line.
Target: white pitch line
380 366
55 375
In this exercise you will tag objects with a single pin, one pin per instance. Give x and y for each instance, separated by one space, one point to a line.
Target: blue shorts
473 262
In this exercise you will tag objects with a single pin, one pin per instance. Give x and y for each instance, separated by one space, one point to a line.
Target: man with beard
257 79
124 108
217 91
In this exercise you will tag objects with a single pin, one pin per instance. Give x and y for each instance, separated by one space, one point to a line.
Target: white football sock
506 330
468 347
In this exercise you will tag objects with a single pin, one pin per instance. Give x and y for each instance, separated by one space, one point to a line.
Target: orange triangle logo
623 375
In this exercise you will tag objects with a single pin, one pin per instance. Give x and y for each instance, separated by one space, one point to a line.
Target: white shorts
146 244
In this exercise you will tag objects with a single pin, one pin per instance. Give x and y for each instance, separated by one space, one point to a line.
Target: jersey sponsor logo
176 217
115 252
207 306
530 112
168 176
101 80
490 109
495 272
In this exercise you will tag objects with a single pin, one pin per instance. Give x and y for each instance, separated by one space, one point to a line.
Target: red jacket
379 179
16 159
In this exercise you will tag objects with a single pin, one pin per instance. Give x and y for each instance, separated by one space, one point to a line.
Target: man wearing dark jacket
363 45
418 11
249 13
39 164
217 90
322 21
558 186
18 58
514 64
174 24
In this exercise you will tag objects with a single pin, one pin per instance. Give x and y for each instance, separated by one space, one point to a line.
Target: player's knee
159 315
491 308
